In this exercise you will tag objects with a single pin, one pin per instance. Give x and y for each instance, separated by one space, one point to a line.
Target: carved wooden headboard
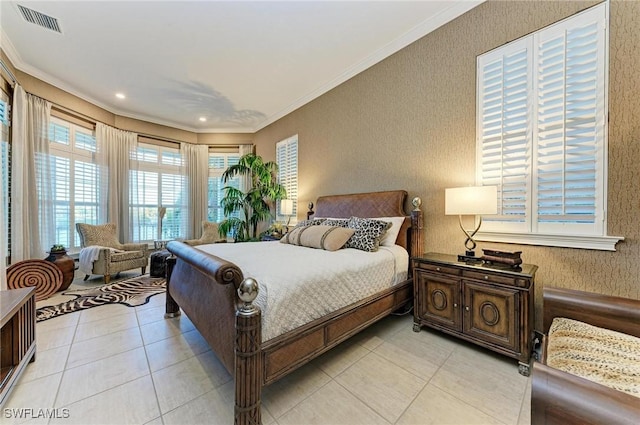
373 204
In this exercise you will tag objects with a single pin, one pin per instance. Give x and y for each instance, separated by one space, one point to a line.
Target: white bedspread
298 284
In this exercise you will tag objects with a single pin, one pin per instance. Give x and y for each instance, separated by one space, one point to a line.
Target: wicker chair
110 262
561 398
209 234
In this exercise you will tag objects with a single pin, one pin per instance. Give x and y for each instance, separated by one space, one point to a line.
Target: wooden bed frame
218 299
561 398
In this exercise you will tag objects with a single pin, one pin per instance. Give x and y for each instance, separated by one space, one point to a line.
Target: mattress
299 284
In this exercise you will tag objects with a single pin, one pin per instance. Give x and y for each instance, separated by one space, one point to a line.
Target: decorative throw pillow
368 233
340 222
391 235
314 222
329 238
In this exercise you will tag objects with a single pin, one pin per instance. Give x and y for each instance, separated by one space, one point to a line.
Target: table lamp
286 208
472 200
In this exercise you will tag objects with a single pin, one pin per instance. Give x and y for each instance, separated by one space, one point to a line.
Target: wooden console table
17 337
490 307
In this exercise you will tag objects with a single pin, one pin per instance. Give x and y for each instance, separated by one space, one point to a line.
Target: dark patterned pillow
314 222
368 233
340 222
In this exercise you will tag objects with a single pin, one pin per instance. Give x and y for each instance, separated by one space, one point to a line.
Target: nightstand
487 306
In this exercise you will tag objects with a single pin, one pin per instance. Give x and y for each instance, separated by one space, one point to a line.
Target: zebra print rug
131 292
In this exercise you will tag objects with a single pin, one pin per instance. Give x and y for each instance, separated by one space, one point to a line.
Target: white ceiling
240 64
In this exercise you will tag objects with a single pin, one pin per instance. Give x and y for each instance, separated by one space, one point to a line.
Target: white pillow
389 238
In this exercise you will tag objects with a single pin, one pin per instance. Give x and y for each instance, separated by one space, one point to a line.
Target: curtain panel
196 169
245 181
32 208
115 150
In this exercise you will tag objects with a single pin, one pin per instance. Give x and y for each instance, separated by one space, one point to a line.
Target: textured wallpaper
408 122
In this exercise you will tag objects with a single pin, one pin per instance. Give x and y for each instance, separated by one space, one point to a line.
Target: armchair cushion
126 255
600 355
210 234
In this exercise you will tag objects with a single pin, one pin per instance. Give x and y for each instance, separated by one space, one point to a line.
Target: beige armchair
109 256
209 234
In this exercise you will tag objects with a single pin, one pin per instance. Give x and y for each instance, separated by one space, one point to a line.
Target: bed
222 303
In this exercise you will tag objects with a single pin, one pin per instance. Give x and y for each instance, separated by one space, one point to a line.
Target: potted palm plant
253 205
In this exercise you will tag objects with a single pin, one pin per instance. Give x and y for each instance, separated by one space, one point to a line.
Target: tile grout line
153 382
428 381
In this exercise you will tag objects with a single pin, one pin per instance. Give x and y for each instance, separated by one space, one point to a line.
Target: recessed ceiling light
120 95
203 119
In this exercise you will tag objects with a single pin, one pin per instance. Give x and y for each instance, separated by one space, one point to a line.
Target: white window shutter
542 129
504 128
287 160
570 126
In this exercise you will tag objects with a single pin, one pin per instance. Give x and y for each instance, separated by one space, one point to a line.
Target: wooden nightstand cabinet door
491 314
440 300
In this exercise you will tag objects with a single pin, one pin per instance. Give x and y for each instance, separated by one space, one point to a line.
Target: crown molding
456 9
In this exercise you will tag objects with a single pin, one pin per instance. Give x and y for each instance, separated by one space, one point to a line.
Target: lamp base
469 257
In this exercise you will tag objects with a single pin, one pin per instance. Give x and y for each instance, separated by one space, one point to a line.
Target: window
542 129
287 159
157 183
76 179
218 163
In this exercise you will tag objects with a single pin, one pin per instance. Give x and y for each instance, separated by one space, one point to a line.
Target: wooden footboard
219 301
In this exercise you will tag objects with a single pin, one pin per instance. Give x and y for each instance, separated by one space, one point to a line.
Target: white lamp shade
286 206
472 200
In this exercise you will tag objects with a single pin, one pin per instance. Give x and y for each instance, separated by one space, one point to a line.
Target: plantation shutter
174 222
570 126
504 129
218 163
287 159
542 129
75 180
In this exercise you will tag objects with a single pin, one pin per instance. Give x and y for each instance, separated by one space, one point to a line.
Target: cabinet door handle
486 277
467 308
437 269
455 305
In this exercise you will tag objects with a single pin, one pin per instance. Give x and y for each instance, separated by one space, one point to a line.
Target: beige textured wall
409 122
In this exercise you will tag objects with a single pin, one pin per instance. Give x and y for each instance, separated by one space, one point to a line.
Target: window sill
601 243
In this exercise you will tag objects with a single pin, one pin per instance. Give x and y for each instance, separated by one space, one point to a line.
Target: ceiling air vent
38 18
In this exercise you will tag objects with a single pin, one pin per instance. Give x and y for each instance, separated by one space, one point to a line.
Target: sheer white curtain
196 169
245 181
116 149
32 218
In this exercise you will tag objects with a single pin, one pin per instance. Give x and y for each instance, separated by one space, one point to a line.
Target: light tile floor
121 365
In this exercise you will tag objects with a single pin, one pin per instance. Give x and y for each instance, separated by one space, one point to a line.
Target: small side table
66 265
18 321
487 306
159 263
